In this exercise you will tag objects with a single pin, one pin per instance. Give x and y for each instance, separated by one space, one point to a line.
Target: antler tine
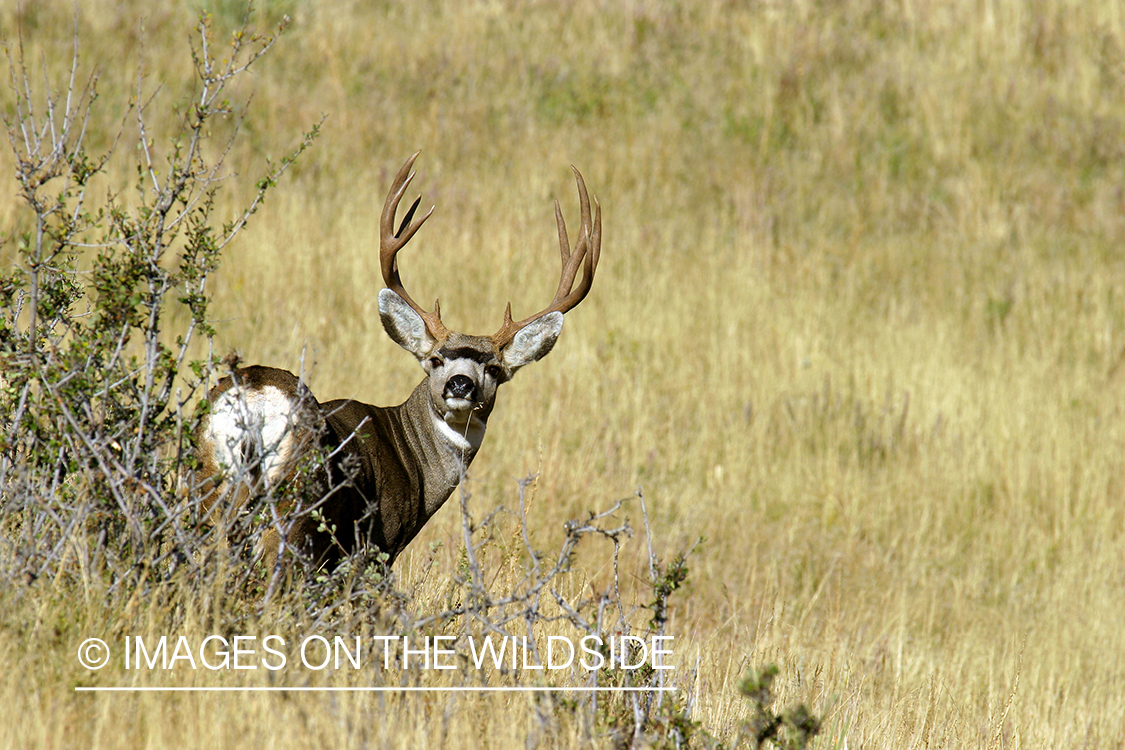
390 242
586 248
586 253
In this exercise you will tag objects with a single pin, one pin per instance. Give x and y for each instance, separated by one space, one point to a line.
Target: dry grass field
859 324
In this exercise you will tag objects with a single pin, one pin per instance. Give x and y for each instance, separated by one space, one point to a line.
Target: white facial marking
458 404
469 369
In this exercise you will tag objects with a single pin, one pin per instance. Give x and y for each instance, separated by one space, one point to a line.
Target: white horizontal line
253 689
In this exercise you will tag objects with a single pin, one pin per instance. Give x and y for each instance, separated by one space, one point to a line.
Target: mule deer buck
388 469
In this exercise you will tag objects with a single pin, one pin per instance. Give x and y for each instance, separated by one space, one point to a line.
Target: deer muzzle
460 387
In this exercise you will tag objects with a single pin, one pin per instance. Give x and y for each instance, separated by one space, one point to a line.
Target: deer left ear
532 342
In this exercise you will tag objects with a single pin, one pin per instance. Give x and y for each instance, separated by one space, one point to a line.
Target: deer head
464 371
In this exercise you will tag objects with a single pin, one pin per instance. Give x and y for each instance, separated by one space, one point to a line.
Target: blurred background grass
859 322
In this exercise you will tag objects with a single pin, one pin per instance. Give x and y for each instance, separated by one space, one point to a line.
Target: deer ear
532 342
405 327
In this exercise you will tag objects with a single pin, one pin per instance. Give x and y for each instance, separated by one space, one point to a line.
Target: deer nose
460 386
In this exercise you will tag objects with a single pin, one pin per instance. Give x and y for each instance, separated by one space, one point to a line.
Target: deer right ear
405 326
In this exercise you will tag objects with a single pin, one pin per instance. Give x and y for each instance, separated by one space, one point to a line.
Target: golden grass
859 323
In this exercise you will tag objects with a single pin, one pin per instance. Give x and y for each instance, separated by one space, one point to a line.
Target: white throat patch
464 439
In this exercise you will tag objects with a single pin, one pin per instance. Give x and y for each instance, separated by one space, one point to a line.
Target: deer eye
436 362
493 371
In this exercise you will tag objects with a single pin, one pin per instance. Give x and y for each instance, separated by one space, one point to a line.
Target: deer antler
390 242
587 250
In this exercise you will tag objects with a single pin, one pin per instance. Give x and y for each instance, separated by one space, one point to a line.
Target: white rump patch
254 424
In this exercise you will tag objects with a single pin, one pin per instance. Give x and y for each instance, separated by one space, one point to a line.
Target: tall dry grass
859 323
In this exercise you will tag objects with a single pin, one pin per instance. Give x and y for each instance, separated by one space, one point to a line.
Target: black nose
460 386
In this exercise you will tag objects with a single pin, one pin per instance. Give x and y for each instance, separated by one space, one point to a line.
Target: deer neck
448 442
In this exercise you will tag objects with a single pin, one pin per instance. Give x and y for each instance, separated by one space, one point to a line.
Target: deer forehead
463 346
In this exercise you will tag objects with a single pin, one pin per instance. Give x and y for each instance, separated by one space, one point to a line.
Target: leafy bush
100 317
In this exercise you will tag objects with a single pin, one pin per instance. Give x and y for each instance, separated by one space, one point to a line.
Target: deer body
388 469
